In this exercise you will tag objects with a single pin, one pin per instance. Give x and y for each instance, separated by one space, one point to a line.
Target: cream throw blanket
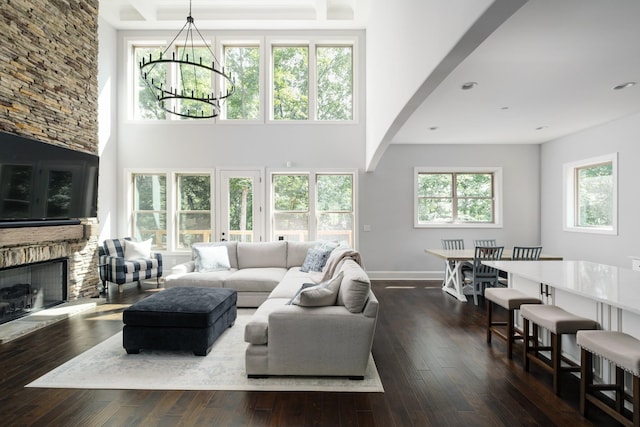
337 256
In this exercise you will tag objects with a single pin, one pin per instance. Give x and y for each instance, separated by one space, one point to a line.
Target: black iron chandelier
201 85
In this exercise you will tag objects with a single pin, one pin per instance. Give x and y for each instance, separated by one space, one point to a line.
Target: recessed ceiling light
541 127
504 108
469 85
433 128
624 85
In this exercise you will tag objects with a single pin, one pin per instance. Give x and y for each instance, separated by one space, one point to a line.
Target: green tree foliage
194 80
291 83
335 83
148 107
241 204
291 192
244 65
335 193
150 205
595 195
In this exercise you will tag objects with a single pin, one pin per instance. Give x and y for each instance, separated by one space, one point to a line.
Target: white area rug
108 366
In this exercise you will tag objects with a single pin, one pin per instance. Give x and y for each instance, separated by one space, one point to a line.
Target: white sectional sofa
328 331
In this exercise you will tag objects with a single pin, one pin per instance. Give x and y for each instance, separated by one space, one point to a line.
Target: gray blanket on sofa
337 256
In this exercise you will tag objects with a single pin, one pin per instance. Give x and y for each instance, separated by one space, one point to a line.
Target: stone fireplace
49 92
77 244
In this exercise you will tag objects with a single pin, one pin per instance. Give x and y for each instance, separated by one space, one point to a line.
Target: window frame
570 195
314 213
497 196
132 211
177 211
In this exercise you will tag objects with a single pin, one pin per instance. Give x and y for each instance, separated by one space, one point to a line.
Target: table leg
453 281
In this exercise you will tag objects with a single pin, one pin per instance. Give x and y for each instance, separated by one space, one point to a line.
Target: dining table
456 258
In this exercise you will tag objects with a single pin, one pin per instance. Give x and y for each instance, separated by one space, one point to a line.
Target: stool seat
556 319
619 348
509 298
558 322
623 351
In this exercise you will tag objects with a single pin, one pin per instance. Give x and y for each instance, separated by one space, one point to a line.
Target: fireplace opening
32 287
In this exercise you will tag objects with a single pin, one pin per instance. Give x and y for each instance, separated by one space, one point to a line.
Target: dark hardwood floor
430 350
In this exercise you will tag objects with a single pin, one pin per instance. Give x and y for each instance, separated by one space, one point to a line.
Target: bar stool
622 350
511 300
559 322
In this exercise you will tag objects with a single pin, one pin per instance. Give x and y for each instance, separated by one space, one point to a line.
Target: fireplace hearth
32 287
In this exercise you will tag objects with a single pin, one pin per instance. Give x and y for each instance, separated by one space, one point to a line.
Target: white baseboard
405 275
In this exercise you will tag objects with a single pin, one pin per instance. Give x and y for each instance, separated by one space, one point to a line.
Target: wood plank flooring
430 350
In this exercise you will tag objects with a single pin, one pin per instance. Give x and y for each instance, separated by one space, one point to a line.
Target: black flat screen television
43 184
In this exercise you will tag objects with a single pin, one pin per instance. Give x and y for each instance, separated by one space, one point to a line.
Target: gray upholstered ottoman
179 319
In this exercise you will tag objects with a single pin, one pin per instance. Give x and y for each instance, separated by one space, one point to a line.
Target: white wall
107 128
393 248
406 40
618 136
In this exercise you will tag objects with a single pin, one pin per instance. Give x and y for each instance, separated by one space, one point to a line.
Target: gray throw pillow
303 287
315 260
323 294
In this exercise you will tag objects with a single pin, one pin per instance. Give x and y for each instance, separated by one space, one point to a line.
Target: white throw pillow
137 250
211 258
323 294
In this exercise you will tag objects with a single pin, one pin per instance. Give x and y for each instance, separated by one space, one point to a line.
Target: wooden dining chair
485 242
481 274
526 253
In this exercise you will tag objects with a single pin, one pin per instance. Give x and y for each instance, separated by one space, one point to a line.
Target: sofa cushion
255 279
320 295
258 255
232 248
290 284
211 258
210 279
354 288
256 331
316 259
296 252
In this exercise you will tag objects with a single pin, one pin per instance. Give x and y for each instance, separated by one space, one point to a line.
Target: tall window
241 209
334 209
302 211
310 79
150 208
194 209
290 82
290 207
457 198
591 195
243 63
145 104
334 83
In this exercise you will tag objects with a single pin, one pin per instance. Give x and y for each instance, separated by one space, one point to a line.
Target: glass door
241 201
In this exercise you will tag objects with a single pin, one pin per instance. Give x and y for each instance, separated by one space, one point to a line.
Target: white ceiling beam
145 8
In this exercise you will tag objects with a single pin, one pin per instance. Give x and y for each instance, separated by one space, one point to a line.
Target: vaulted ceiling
548 71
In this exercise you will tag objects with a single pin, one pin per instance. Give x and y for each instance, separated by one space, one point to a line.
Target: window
145 104
243 64
335 82
193 209
457 197
290 207
301 211
290 82
150 208
309 79
591 195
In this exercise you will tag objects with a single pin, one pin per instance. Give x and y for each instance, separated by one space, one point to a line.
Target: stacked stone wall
49 92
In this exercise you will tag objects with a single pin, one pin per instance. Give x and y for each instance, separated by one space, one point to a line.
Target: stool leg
619 390
489 320
586 378
510 333
525 351
636 401
556 351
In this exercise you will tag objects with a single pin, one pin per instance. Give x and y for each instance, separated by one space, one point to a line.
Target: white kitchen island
608 294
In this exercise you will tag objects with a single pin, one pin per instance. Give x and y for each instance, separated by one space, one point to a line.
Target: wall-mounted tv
43 184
